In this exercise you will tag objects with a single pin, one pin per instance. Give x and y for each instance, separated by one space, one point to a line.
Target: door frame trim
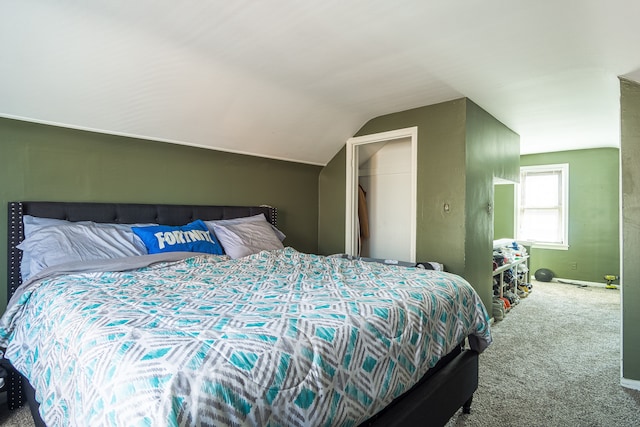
353 144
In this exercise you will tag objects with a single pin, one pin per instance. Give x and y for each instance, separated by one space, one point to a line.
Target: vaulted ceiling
294 79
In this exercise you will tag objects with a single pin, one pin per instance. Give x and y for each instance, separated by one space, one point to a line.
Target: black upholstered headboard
123 213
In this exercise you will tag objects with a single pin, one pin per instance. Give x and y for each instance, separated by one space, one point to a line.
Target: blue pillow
193 237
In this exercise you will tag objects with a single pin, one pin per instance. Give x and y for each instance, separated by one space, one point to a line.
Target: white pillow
52 241
246 237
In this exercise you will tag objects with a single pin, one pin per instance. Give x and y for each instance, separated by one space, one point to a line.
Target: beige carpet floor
15 418
555 361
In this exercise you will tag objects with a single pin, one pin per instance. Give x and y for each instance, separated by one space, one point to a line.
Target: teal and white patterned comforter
278 338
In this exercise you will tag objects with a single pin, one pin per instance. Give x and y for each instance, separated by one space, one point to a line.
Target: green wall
40 162
594 236
630 158
492 150
332 205
441 133
504 213
460 149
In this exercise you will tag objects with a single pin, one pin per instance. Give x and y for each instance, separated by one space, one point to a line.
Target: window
543 206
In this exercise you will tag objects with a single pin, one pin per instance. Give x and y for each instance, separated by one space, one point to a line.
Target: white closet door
386 177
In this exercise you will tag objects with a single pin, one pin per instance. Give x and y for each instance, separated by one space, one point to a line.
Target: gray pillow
32 224
54 241
255 218
242 238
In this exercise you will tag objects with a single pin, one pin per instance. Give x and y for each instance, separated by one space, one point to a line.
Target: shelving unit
513 265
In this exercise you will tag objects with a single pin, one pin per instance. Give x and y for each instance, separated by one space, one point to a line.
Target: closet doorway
383 167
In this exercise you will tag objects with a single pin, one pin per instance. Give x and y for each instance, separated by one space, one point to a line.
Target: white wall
386 177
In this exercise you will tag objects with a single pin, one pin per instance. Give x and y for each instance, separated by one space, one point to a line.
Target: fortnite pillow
193 237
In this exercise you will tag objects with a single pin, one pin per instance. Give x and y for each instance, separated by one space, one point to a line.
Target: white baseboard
580 282
633 384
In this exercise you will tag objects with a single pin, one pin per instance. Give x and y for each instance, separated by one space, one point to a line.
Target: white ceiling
294 79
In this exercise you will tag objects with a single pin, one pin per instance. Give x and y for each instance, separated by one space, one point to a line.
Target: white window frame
563 168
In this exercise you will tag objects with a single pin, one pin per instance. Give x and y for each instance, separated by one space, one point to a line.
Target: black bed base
434 401
30 395
445 389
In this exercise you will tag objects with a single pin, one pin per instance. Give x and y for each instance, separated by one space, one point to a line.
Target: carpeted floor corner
20 417
555 361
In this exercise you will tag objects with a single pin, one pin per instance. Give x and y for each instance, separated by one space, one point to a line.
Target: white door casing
351 217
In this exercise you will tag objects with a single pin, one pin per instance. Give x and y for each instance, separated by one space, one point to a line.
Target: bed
273 337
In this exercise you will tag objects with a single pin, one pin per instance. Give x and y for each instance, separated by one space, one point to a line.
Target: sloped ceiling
295 79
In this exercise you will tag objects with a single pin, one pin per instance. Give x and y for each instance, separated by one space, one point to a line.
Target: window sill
555 246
